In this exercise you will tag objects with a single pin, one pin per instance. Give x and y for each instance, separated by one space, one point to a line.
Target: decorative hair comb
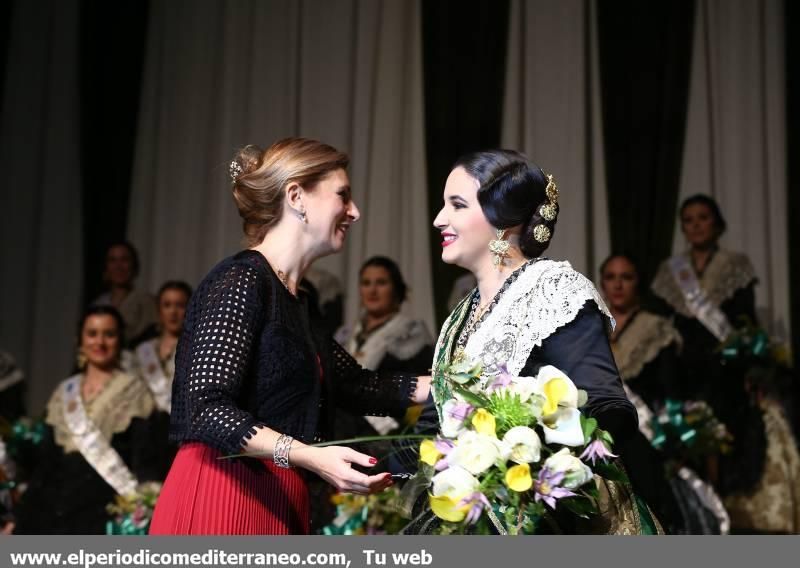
548 211
235 170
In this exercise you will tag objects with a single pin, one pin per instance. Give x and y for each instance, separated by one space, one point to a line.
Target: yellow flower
554 390
412 414
518 478
447 508
428 452
484 423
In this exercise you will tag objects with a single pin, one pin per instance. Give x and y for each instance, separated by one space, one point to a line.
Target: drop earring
499 248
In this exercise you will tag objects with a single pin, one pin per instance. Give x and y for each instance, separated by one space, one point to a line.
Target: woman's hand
334 465
423 389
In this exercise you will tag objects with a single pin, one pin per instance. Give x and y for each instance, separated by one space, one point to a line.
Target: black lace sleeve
367 392
221 350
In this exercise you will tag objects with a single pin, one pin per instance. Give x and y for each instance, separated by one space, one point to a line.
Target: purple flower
503 379
547 487
596 450
444 447
477 502
460 411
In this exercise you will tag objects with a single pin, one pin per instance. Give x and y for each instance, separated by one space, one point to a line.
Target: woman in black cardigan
252 377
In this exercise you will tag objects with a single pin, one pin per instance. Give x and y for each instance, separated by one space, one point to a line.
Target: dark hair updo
178 285
511 193
626 255
134 254
399 287
102 310
713 206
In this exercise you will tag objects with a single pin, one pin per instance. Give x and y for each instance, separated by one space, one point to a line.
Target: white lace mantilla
547 295
641 342
401 337
725 274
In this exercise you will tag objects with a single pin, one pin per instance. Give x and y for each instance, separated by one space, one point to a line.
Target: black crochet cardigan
248 356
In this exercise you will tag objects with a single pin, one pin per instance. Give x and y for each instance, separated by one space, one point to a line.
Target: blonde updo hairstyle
261 177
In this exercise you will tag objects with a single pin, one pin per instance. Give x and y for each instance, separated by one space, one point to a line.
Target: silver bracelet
280 455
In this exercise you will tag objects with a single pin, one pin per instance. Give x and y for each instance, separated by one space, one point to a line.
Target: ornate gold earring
499 248
80 359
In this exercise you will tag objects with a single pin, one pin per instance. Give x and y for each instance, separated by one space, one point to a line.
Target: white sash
91 443
696 300
153 374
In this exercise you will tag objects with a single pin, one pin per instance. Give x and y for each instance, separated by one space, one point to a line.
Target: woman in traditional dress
252 377
498 218
645 345
384 339
137 307
104 436
710 291
646 348
156 357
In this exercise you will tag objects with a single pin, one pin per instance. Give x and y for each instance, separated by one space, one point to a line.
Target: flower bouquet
765 361
132 513
512 450
689 433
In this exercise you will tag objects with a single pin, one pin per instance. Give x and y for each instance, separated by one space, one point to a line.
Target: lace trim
641 342
726 273
401 337
124 398
547 295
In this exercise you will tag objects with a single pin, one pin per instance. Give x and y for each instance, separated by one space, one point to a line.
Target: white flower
525 445
564 427
524 387
557 388
536 403
475 452
454 413
455 482
576 473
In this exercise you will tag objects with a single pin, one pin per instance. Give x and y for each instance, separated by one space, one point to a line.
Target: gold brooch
541 233
548 211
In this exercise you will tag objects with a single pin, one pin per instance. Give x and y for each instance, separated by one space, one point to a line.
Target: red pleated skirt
204 495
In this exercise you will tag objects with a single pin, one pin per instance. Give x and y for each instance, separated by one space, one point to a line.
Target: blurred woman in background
137 308
156 357
104 436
